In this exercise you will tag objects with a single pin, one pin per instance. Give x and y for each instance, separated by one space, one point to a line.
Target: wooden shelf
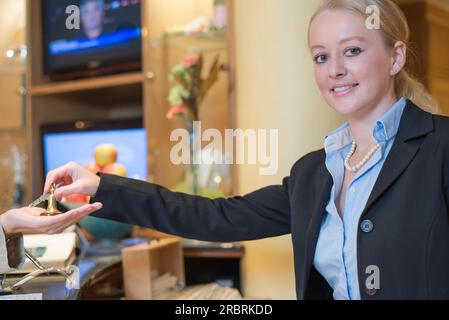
199 43
87 84
141 93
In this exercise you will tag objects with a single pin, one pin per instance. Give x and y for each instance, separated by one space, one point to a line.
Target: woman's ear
398 58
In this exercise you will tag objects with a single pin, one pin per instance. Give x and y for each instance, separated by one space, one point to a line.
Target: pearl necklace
363 161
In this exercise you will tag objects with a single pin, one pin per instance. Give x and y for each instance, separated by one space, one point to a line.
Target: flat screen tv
77 141
104 38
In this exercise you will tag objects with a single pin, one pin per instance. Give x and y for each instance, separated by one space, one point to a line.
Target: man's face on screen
92 19
351 62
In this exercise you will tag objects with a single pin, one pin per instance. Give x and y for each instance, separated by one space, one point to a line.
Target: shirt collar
386 128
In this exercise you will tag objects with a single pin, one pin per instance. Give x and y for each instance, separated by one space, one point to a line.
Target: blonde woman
369 213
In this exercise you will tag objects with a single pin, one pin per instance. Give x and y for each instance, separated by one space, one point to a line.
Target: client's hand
72 179
28 220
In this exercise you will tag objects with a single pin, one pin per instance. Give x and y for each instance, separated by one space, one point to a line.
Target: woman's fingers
78 213
73 188
29 220
53 223
84 210
77 216
62 174
73 179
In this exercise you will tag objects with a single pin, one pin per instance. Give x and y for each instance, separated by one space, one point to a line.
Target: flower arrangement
186 95
189 88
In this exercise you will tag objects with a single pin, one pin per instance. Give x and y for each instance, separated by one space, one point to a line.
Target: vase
192 170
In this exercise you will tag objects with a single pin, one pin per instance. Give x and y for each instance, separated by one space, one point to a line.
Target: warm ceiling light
10 54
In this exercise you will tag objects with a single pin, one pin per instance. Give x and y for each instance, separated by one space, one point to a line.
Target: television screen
121 147
104 34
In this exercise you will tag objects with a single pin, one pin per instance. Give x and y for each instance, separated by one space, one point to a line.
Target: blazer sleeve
260 214
12 253
4 266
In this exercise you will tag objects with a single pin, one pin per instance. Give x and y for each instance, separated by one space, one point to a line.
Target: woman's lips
344 89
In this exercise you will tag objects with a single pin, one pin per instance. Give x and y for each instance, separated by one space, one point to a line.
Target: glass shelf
202 42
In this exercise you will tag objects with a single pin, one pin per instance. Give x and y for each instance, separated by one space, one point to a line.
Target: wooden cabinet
12 101
429 24
142 93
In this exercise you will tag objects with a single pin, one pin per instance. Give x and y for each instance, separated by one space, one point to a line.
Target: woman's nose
336 69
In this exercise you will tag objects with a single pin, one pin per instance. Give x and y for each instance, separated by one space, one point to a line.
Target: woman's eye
320 59
352 52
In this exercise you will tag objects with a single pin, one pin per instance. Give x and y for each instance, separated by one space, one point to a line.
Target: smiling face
92 18
353 66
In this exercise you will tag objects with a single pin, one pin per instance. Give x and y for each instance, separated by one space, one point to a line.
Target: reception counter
101 277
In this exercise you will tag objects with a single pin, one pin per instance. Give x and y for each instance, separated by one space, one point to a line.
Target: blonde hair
393 27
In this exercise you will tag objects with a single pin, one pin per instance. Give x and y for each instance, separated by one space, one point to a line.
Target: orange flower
176 111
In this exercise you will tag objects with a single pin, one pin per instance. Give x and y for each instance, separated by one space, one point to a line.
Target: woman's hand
29 220
73 179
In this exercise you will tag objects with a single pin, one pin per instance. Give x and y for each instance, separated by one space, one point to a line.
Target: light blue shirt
336 251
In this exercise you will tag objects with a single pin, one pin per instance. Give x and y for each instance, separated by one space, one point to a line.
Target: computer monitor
76 141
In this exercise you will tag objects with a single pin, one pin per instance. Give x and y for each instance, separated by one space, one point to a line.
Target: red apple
105 154
115 168
76 198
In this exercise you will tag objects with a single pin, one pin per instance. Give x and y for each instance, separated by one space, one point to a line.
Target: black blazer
408 208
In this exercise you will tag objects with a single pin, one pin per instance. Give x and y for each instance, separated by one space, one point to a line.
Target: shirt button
367 226
352 189
370 292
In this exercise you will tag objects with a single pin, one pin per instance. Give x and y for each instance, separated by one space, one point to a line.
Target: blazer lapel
415 123
314 227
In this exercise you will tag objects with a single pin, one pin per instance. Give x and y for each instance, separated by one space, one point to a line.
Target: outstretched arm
29 220
260 214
